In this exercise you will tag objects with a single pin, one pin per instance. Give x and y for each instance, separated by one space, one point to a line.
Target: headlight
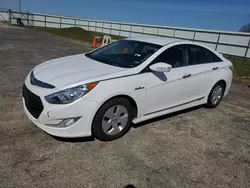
70 95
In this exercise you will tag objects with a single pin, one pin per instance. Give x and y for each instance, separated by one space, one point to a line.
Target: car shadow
92 138
166 116
73 140
129 186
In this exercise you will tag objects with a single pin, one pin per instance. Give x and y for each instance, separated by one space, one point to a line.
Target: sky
227 15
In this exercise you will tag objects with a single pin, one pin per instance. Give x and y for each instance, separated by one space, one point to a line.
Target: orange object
91 85
94 42
125 50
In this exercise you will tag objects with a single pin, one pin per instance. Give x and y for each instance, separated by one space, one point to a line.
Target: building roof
154 39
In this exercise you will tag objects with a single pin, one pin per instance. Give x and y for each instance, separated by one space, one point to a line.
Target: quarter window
174 56
200 55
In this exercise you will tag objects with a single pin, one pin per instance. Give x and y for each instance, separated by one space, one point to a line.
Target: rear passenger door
203 66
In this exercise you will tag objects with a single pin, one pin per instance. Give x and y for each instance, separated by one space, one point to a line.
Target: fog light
65 123
68 122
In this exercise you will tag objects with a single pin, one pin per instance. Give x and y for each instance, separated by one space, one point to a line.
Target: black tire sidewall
97 130
209 100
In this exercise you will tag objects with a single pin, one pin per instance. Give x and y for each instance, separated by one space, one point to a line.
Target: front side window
200 55
174 56
124 53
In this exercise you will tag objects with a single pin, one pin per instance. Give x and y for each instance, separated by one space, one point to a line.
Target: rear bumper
228 86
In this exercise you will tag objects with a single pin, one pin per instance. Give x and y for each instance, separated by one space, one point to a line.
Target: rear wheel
113 120
215 95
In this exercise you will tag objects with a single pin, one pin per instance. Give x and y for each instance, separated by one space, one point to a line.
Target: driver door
166 90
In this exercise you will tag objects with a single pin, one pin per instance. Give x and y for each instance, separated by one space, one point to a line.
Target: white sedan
101 93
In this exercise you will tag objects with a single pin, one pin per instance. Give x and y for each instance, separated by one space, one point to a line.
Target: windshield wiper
109 62
106 61
88 55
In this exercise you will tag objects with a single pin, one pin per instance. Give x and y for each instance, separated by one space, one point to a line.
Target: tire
102 120
211 103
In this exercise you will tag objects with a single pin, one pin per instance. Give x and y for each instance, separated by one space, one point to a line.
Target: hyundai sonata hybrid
104 91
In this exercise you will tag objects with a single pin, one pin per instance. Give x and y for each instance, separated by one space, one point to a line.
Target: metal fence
229 43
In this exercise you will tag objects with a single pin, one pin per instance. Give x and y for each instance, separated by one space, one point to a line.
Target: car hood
76 69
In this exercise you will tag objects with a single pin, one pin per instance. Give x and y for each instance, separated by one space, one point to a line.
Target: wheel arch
223 82
209 103
129 98
216 82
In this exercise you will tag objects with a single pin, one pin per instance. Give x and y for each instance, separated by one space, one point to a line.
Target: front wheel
215 95
113 120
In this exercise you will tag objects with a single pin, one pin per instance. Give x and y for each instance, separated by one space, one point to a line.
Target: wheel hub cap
115 119
217 94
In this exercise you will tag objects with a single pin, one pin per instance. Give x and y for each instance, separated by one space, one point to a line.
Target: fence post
142 30
60 22
217 42
120 29
174 33
45 20
27 18
194 35
75 22
130 30
245 56
158 31
9 16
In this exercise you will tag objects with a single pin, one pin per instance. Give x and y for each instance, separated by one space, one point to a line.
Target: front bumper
54 114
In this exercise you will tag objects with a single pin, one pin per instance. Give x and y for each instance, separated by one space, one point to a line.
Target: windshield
124 53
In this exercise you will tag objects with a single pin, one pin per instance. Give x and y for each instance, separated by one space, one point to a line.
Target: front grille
33 102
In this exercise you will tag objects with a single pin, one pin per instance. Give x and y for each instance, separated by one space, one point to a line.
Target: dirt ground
195 148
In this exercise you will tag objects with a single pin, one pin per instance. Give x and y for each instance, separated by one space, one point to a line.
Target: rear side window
200 55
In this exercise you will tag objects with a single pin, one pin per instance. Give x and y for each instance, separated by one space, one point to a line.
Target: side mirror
161 67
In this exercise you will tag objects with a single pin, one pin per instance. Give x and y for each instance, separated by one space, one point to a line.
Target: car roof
155 39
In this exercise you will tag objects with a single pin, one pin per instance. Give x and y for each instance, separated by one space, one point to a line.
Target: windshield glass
124 53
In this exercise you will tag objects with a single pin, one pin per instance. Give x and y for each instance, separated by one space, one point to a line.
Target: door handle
215 68
186 75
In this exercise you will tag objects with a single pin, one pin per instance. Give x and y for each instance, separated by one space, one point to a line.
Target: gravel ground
194 148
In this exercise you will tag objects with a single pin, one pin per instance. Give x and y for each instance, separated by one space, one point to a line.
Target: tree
245 28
